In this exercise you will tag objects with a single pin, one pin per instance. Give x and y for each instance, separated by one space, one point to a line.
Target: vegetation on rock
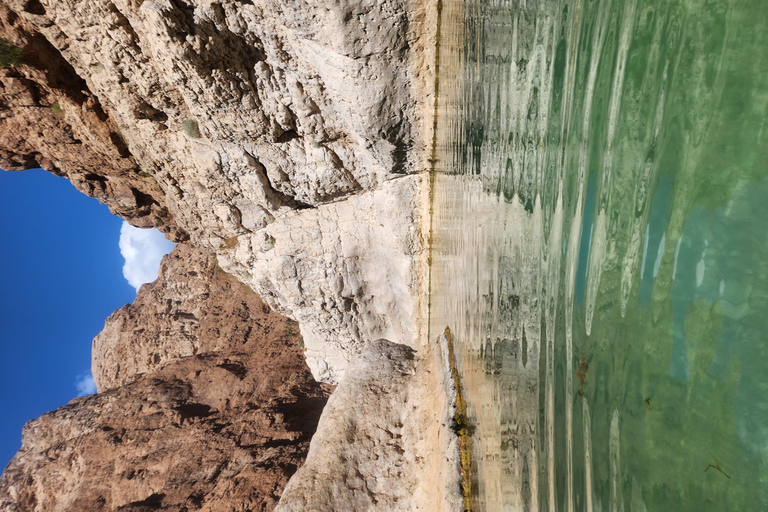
461 427
191 128
9 55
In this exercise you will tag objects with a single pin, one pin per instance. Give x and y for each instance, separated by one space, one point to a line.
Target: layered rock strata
288 137
221 429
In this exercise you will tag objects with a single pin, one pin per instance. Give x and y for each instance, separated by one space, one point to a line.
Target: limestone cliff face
219 430
287 136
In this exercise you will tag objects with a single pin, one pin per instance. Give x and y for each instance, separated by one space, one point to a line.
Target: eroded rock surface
384 441
290 139
219 430
192 308
49 118
283 135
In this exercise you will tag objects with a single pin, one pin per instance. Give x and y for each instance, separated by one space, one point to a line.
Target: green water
600 250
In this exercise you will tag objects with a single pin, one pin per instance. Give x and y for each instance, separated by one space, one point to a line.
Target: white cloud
142 249
85 384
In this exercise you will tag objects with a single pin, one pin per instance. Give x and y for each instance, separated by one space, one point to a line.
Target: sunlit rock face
382 442
289 138
192 308
192 414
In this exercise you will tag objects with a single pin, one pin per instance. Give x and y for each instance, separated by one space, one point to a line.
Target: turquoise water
600 250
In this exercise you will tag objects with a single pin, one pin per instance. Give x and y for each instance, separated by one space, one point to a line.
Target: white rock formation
348 271
288 136
378 446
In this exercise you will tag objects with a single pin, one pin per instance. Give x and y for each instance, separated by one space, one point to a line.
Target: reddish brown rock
192 308
50 119
220 430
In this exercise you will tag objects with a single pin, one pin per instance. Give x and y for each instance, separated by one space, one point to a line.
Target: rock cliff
49 118
220 429
384 441
287 136
288 140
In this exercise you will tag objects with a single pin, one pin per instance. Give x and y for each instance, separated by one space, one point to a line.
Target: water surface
600 250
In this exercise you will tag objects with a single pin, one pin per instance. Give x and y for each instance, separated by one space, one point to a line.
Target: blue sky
61 275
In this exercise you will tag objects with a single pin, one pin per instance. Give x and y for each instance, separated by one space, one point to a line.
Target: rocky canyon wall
193 413
385 440
289 137
289 142
49 118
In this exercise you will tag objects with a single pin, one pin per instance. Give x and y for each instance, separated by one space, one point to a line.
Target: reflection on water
600 250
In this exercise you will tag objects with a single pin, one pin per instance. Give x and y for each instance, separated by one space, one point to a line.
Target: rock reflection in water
599 250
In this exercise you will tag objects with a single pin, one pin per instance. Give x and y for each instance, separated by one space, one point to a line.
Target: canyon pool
600 250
